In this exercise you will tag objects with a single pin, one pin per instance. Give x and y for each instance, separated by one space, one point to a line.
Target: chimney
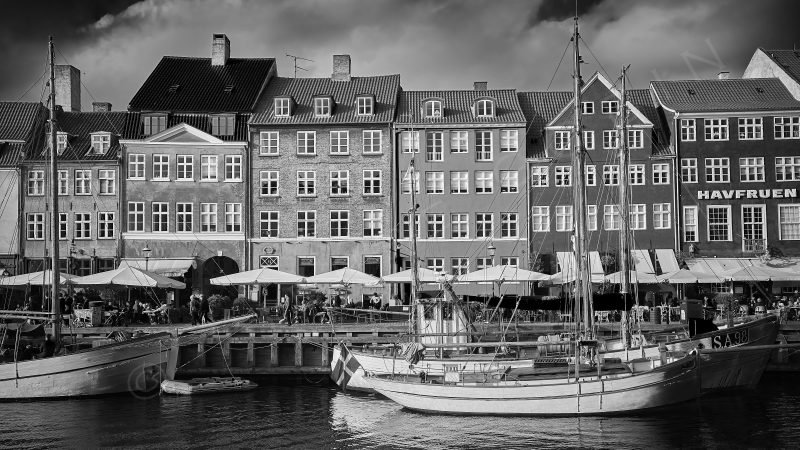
341 68
101 106
68 87
481 85
723 75
220 50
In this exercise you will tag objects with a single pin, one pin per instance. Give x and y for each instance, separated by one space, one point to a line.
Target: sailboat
584 389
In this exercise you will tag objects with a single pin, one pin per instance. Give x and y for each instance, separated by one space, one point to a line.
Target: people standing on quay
194 307
205 310
286 304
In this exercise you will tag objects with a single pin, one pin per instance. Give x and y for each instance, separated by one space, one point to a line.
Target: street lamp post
146 250
491 250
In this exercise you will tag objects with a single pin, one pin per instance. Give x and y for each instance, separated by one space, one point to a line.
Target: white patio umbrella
424 275
36 278
569 277
344 276
755 273
684 276
258 276
501 274
635 277
128 276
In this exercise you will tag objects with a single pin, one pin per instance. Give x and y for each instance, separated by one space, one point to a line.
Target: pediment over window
183 133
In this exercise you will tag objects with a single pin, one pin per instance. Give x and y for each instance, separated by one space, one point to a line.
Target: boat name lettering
746 193
731 339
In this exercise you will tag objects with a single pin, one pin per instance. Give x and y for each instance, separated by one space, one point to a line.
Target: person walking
205 310
287 310
194 307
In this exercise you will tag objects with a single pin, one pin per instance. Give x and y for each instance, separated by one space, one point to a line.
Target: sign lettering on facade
747 194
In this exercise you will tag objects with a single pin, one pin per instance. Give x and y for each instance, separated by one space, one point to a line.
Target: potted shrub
218 304
730 303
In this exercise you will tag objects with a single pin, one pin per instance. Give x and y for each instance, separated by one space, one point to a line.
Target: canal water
321 417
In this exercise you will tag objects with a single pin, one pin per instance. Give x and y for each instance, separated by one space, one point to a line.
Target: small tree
729 303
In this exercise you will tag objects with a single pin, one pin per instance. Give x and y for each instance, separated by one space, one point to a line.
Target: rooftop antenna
294 61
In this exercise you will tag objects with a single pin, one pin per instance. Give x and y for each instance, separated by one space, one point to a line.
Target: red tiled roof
79 126
730 95
788 60
17 119
642 99
457 107
539 109
182 84
303 90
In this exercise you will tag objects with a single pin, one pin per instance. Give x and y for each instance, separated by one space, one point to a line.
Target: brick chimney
723 75
341 68
481 85
68 87
220 50
101 106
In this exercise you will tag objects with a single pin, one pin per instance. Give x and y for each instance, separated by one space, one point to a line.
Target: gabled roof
727 95
457 107
539 109
788 60
180 133
182 84
643 101
18 119
79 127
344 93
135 128
599 78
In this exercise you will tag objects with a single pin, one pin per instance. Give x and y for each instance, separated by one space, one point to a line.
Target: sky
432 44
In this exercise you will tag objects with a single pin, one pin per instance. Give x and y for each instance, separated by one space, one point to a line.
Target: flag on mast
345 367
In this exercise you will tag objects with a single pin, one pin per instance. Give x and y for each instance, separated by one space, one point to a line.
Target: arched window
484 108
433 108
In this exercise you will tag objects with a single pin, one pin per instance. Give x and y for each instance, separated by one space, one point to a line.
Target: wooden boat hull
212 385
670 384
138 365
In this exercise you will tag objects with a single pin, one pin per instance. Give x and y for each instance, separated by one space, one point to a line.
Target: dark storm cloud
558 10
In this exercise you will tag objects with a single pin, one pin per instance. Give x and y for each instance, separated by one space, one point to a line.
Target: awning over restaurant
566 264
667 261
162 266
751 268
642 261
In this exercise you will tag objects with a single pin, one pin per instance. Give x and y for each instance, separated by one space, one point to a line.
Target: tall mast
624 212
55 305
413 230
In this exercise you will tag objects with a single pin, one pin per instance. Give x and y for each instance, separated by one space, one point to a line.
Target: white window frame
209 217
434 225
612 219
716 129
540 176
371 142
459 141
609 107
184 217
590 174
690 224
136 166
591 217
564 219
728 223
233 167
635 139
783 221
660 173
34 226
339 183
459 226
340 142
372 182
509 225
159 217
283 107
160 167
562 176
307 143
373 223
271 179
611 175
83 182
509 141
101 142
688 130
434 182
787 168
405 183
63 182
339 223
636 174
209 168
689 170
233 217
484 108
309 189
432 109
135 217
786 127
588 140
106 228
481 145
459 182
481 224
662 216
484 182
365 105
610 139
184 168
269 218
754 224
409 141
637 216
561 140
587 108
540 219
718 170
434 146
751 128
322 106
269 143
509 181
36 182
751 170
107 179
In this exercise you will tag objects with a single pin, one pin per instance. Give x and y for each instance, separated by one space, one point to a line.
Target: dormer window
154 124
322 106
484 108
223 124
61 142
101 142
365 106
283 107
433 109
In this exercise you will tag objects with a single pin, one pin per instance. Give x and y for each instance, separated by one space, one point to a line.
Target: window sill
184 180
269 154
160 179
373 195
339 154
136 179
372 153
233 181
209 181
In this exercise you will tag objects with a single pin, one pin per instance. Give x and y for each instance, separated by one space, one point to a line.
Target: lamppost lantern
491 249
146 250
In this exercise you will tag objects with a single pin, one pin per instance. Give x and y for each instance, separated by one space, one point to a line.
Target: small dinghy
211 385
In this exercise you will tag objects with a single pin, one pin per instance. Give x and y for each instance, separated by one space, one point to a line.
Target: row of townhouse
219 165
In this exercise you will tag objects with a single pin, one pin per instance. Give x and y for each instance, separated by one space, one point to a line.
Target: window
107 178
458 142
610 139
340 223
789 220
340 182
63 228
459 225
561 140
270 262
83 226
269 222
637 216
484 181
719 223
635 139
136 166
433 109
371 140
184 215
101 142
661 173
372 266
223 124
283 107
459 266
753 228
611 217
688 130
483 225
662 216
591 217
588 140
540 176
459 182
434 148
591 175
483 145
61 142
563 218
407 225
105 225
270 182
340 262
373 223
751 169
509 140
509 225
372 182
540 218
269 143
35 226
135 216
611 175
690 224
160 168
563 176
751 128
636 174
434 182
305 266
36 182
208 168
787 128
63 182
587 107
233 217
405 185
322 106
483 263
208 217
717 170
509 261
154 124
83 182
484 108
409 141
340 142
609 107
306 223
306 143
435 225
233 167
436 264
787 168
160 217
689 170
716 129
509 181
306 183
365 106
